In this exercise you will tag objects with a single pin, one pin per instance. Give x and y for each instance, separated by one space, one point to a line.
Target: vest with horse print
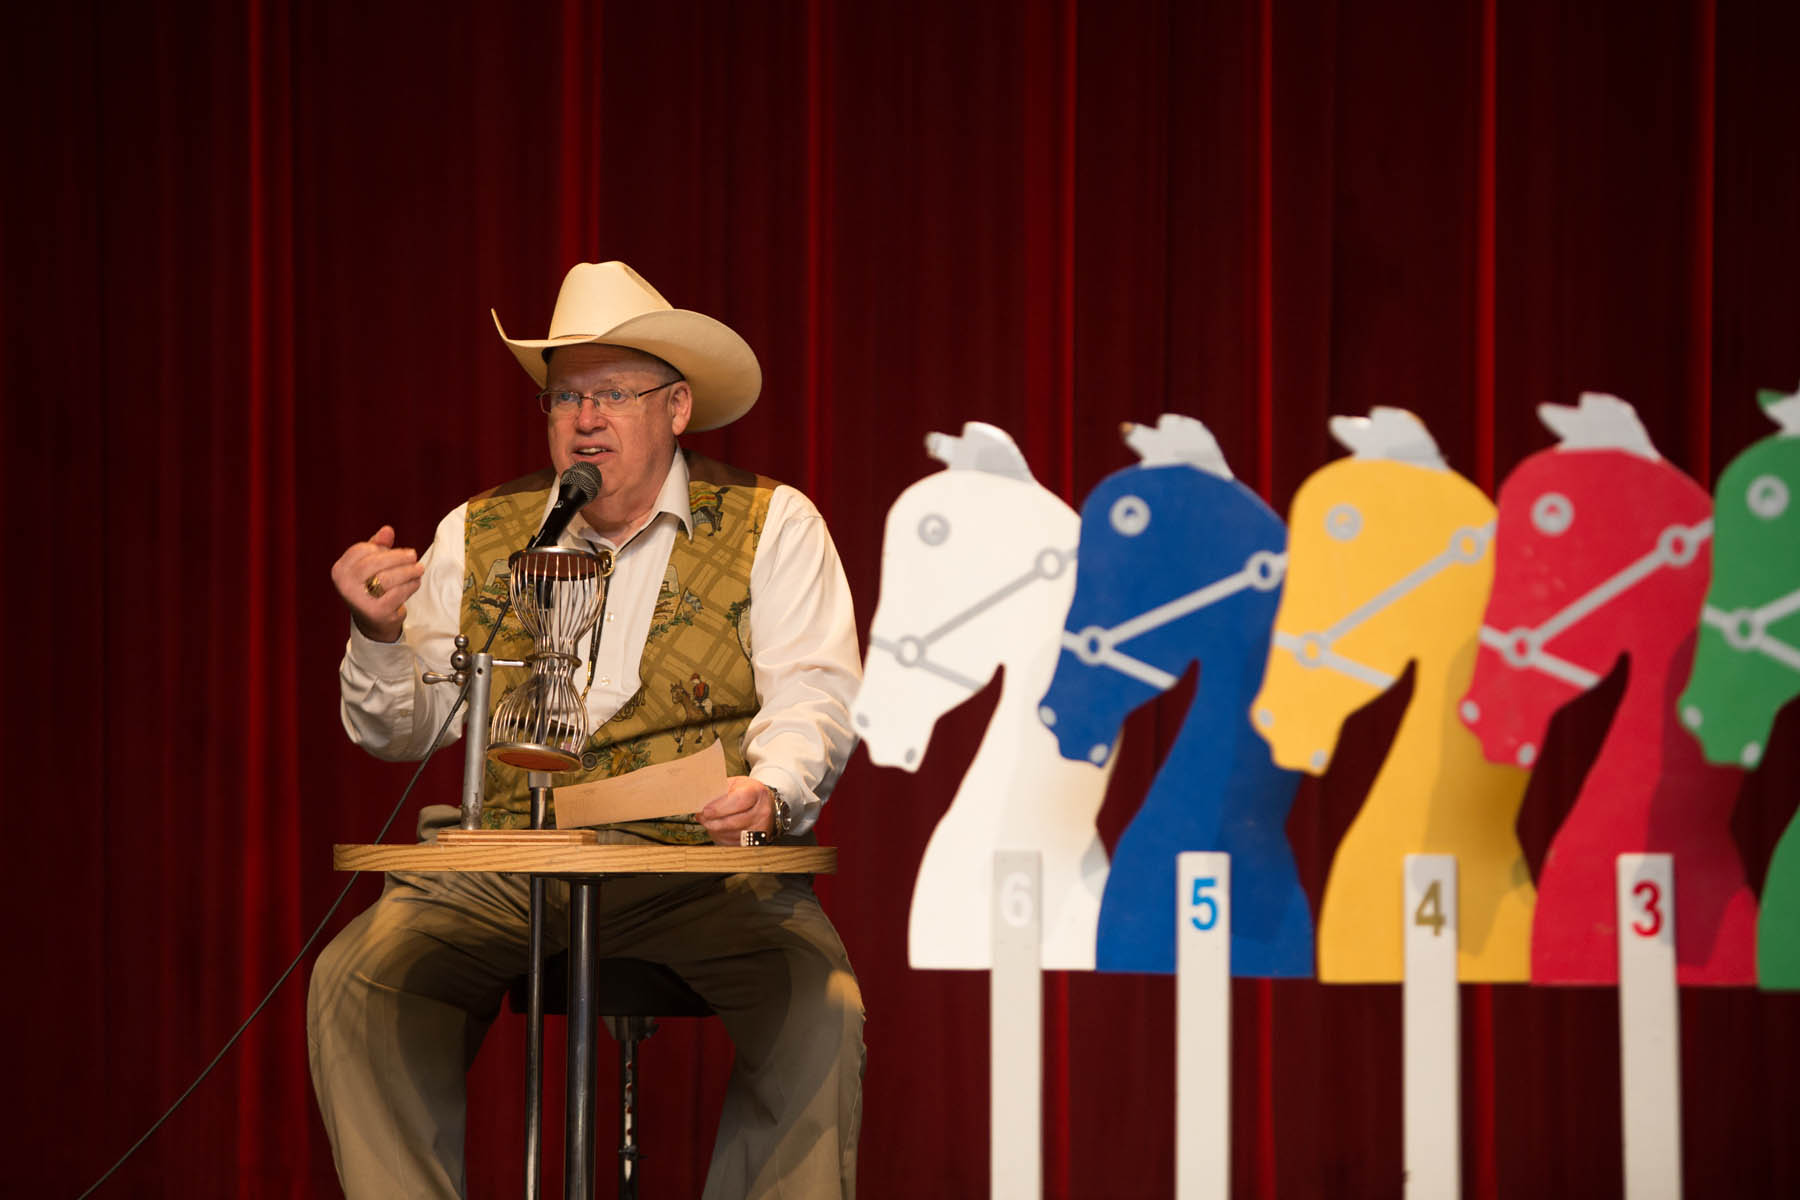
696 683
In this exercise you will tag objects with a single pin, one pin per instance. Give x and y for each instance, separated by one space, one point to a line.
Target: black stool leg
634 1031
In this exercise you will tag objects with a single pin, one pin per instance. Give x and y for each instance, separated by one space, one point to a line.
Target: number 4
1431 909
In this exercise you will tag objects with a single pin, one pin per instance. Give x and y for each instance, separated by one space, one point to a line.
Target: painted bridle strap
1310 650
1315 649
1746 630
1098 647
911 650
1539 659
1523 648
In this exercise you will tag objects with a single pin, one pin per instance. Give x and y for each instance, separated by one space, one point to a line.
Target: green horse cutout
1747 654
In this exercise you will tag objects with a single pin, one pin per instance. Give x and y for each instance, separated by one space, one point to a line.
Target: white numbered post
1202 1025
1432 1021
1016 1027
1649 1026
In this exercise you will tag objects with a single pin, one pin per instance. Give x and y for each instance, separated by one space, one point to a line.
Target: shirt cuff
803 806
389 661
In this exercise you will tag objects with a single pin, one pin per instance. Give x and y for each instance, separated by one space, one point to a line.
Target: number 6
1015 900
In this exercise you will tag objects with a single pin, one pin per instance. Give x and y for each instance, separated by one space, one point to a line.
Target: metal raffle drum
557 592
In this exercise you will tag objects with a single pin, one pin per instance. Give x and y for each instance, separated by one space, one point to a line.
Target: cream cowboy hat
611 303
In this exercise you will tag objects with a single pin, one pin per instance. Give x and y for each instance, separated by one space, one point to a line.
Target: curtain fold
249 250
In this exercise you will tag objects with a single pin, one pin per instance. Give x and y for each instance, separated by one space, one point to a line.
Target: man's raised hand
375 579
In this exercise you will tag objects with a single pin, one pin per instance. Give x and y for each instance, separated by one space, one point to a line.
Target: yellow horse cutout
1390 558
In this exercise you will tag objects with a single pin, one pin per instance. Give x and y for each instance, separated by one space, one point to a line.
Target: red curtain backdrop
248 252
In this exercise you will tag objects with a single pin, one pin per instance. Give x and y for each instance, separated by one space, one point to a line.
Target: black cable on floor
300 957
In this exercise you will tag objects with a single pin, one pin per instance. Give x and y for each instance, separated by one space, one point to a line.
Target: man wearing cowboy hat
728 620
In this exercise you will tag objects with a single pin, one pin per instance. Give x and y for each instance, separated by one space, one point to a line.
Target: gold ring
374 586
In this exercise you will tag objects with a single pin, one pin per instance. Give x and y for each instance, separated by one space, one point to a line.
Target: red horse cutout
1603 550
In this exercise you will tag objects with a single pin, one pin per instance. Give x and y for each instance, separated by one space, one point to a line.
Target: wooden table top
589 860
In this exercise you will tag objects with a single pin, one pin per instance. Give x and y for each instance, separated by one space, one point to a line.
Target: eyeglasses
613 400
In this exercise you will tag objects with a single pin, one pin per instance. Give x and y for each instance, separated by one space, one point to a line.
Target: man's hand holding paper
726 805
745 805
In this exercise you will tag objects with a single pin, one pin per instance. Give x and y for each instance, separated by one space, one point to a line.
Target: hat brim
720 368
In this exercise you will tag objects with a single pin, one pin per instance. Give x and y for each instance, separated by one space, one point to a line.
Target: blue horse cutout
1179 562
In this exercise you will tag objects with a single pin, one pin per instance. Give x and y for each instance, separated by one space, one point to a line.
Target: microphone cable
456 707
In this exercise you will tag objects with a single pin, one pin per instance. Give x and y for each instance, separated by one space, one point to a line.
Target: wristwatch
784 816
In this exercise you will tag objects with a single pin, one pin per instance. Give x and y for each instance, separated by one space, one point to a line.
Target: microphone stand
477 671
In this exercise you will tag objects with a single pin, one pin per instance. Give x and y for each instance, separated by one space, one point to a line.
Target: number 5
1207 906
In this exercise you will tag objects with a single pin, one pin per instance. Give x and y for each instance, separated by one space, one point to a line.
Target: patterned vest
696 683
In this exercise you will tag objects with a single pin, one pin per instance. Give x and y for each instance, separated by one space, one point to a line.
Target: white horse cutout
977 571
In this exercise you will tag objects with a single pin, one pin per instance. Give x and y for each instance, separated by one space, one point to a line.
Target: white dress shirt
802 644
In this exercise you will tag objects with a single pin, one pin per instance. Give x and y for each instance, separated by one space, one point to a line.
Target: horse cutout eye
1130 515
1343 522
1553 513
934 530
1768 496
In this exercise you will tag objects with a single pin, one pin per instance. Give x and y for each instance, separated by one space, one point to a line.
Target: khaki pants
401 998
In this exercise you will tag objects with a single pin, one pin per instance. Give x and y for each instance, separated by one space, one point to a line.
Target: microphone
577 489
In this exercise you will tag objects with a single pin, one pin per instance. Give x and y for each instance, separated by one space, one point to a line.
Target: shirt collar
671 499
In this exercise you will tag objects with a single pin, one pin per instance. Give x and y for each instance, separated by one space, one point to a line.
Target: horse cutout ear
982 447
1393 434
1783 408
1176 440
1598 422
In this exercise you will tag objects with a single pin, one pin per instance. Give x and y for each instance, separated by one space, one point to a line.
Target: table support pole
578 1153
534 1002
534 1045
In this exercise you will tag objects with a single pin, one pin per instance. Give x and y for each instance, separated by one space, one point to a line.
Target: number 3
1650 896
